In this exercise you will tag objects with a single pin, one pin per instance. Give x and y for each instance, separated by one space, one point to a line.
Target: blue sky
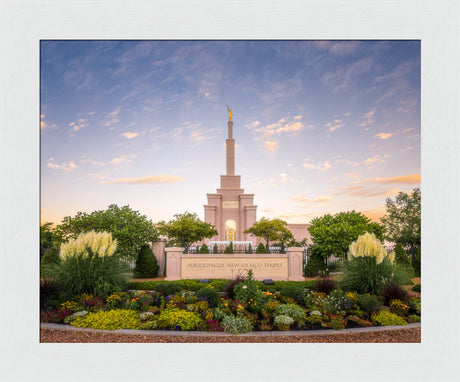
320 126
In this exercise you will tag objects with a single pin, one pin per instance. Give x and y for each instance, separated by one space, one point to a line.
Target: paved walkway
219 334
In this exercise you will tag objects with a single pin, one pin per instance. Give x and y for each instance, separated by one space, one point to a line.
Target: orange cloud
404 179
147 179
384 135
271 145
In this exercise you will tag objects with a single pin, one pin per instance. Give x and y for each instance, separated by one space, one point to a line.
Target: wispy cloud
320 167
375 159
403 179
384 135
333 126
67 166
303 199
79 124
284 126
121 159
154 179
368 118
130 135
44 125
86 160
113 117
270 145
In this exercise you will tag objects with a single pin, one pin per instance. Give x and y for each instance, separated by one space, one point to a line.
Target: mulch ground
410 335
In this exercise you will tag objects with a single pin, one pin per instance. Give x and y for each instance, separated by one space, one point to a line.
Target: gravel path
383 336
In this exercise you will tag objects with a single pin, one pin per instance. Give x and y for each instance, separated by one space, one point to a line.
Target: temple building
230 210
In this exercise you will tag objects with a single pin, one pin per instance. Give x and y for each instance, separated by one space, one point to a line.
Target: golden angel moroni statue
229 113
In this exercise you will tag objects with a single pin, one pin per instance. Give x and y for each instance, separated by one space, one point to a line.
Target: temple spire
230 144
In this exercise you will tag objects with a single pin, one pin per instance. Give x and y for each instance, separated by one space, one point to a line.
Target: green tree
270 230
333 234
403 219
146 263
47 238
186 229
131 229
204 249
49 261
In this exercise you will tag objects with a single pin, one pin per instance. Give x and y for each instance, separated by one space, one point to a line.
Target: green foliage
178 319
385 318
248 292
50 291
146 263
393 291
369 303
209 294
49 261
403 218
416 262
365 275
402 261
294 291
229 248
215 249
333 234
414 318
48 238
236 325
292 310
325 286
249 250
108 320
204 249
186 229
398 307
89 265
270 230
168 288
261 248
283 320
315 263
417 288
131 229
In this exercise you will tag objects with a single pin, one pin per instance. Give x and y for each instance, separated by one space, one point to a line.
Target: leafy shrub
190 285
168 288
337 302
416 262
143 285
315 262
294 291
178 319
149 325
325 286
210 295
369 303
204 249
415 305
283 321
249 249
337 322
249 293
146 264
393 292
49 261
236 325
210 326
230 286
386 318
218 284
109 320
292 310
89 266
215 249
261 248
229 249
417 288
399 308
50 291
414 318
369 268
55 316
75 315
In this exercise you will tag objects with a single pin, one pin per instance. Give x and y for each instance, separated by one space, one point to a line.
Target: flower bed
288 306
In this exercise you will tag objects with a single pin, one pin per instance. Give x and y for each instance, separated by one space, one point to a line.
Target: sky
321 127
